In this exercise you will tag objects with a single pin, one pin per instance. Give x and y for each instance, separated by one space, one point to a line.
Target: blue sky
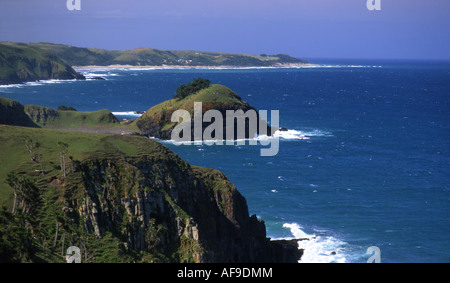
403 29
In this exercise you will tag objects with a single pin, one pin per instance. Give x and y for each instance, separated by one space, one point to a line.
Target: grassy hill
77 56
15 157
22 62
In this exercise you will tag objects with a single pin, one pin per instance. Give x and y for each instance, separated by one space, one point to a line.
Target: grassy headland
22 62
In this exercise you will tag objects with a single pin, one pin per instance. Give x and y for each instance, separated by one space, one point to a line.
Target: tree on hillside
195 86
63 150
65 108
38 157
16 239
26 194
29 144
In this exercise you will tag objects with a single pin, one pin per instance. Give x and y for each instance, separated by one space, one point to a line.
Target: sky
402 29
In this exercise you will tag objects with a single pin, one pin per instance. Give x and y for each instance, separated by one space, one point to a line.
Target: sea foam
127 113
36 83
318 249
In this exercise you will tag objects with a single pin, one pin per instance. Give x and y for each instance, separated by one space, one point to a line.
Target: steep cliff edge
130 199
174 211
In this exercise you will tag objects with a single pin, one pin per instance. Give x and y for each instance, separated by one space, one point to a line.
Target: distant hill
78 56
21 63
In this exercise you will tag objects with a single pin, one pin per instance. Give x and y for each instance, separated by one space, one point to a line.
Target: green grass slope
15 157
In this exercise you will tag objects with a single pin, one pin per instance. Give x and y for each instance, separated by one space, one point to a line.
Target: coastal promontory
24 63
117 198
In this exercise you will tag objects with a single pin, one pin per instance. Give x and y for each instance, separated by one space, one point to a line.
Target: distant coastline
27 62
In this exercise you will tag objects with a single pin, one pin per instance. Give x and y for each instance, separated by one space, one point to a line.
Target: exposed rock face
165 206
39 114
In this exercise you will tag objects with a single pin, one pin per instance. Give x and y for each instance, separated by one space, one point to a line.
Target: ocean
373 171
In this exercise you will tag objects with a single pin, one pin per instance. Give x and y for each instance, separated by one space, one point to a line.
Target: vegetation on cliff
21 63
191 88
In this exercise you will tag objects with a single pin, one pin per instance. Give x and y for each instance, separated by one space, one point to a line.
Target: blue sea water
375 170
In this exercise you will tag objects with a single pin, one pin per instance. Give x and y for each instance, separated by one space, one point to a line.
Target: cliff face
40 115
169 208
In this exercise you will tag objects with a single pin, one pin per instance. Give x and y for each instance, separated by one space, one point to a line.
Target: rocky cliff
174 210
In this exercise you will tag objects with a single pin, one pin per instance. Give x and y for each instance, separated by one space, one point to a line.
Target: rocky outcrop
40 114
168 208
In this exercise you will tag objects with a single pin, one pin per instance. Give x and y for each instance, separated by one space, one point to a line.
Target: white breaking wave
291 135
36 83
89 74
342 66
300 135
282 135
318 249
127 113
